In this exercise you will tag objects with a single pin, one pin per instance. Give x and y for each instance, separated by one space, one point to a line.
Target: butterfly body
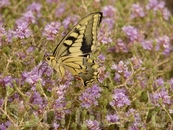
73 51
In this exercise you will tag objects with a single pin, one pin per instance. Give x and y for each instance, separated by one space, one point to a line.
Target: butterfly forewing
84 34
72 52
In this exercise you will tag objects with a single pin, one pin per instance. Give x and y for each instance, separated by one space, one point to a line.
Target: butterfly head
48 58
52 61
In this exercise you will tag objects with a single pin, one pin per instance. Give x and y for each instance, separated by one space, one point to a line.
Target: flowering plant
134 86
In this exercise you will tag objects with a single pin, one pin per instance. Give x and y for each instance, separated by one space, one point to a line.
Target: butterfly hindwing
73 51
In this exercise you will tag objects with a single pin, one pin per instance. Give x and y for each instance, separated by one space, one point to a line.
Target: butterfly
73 51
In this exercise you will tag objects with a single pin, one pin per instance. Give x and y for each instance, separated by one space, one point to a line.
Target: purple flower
5 125
109 11
161 95
112 118
53 1
4 3
2 127
132 33
60 102
137 62
119 47
32 79
2 33
60 10
70 20
138 121
121 67
7 81
21 55
101 57
109 22
102 74
137 11
1 20
121 71
106 40
35 7
133 127
159 82
34 76
66 80
88 98
131 111
171 111
10 35
92 124
27 18
2 30
22 31
51 29
103 36
119 98
166 13
1 102
156 5
30 49
163 43
147 44
153 4
44 68
61 90
117 77
37 99
127 74
56 126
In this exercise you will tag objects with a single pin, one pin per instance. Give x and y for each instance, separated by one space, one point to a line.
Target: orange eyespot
77 77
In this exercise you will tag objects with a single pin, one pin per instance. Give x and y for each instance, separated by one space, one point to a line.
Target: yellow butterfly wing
73 51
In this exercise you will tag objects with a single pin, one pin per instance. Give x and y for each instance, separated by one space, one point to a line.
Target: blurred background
169 4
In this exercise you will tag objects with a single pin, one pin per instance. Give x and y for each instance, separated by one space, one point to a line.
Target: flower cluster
120 98
121 70
35 8
159 44
4 3
157 5
102 74
2 31
137 11
51 30
112 118
109 11
69 20
90 96
60 102
35 75
161 96
4 126
60 10
132 83
93 125
132 33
